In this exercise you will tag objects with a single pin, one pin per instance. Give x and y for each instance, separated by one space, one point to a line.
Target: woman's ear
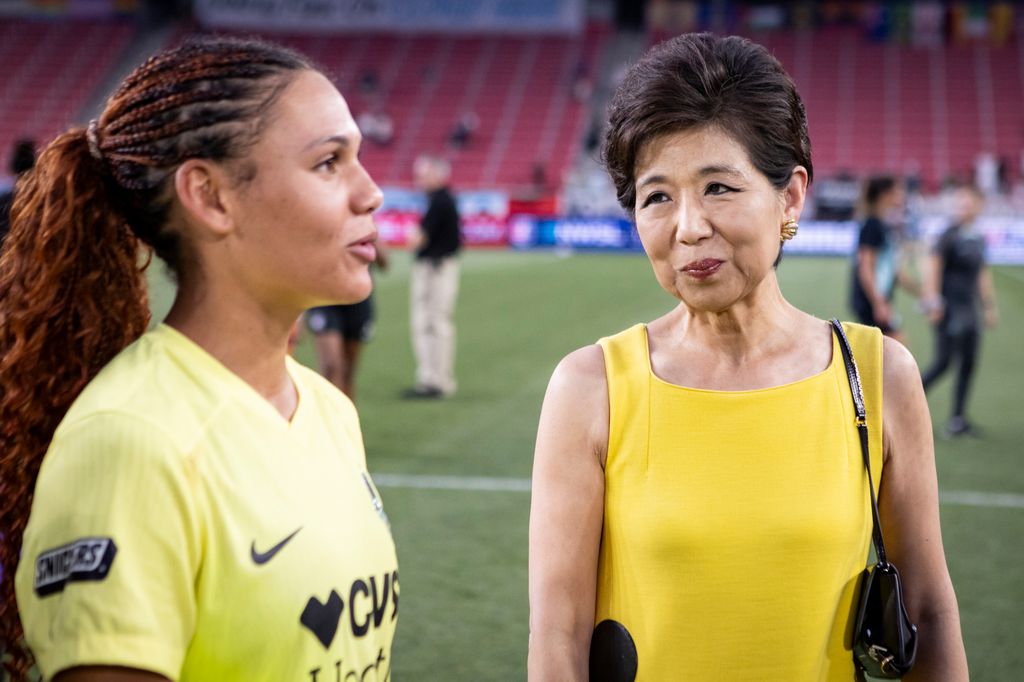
795 193
200 186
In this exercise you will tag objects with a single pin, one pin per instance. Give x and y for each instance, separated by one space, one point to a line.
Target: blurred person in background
23 158
959 297
464 129
435 282
199 501
376 125
340 332
698 487
878 263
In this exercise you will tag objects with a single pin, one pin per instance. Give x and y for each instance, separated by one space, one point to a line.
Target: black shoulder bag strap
862 429
884 639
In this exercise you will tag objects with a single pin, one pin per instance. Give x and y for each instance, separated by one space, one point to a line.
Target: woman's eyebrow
342 140
720 170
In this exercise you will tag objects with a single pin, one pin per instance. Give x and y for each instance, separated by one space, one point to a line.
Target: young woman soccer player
203 510
698 479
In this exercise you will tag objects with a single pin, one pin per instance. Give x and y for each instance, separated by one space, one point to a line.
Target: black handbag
884 639
612 653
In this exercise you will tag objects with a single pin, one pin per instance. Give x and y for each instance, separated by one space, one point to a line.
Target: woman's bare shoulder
900 373
583 365
575 413
579 379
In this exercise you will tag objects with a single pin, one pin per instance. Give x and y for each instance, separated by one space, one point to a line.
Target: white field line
962 498
474 483
971 498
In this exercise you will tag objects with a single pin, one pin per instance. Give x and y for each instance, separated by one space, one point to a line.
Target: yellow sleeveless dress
736 523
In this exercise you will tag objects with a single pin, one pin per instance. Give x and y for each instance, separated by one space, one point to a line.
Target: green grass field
463 553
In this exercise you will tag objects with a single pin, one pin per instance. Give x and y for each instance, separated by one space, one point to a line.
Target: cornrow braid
204 99
71 275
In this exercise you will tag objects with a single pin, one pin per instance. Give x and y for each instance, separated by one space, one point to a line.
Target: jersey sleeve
112 550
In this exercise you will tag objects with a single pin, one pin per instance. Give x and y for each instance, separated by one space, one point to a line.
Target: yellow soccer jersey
182 526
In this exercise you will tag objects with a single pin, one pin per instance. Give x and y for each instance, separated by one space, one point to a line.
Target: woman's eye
654 198
716 188
329 164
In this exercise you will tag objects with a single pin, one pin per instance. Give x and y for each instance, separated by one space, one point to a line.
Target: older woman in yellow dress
698 480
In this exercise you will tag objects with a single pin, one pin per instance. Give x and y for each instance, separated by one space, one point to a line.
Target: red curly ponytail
84 224
73 295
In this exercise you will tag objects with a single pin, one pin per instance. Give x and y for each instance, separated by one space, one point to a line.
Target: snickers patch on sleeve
83 559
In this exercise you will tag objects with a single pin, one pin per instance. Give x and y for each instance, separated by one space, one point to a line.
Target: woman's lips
364 250
702 269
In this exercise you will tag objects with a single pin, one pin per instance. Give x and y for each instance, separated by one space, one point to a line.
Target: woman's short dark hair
697 80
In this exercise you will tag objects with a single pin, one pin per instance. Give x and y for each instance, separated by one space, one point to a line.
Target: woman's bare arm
566 516
909 507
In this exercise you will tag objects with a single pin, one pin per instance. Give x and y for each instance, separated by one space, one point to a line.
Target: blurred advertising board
533 232
484 216
445 16
1005 235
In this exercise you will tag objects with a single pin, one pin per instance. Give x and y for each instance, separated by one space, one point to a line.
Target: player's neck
244 338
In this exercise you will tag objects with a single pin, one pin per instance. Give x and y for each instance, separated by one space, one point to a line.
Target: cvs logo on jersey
369 602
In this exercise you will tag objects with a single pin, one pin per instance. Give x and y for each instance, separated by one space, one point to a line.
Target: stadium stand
50 71
900 108
516 86
872 106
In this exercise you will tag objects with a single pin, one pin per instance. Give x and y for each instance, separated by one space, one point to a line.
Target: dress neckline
829 369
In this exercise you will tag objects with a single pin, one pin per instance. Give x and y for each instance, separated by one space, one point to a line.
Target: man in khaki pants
435 283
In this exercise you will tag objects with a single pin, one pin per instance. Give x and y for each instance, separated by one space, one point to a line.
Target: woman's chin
355 297
356 290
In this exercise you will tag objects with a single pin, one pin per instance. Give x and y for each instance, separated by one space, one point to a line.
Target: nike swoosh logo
260 558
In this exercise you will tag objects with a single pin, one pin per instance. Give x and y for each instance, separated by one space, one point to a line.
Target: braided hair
84 224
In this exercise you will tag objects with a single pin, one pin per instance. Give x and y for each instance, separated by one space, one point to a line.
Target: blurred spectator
1003 174
877 266
23 158
463 130
582 87
986 173
959 296
435 283
539 187
376 126
593 137
369 82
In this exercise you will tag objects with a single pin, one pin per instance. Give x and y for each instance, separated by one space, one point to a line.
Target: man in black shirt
959 294
435 283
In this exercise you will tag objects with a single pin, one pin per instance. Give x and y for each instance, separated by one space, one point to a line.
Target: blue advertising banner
532 232
1005 236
